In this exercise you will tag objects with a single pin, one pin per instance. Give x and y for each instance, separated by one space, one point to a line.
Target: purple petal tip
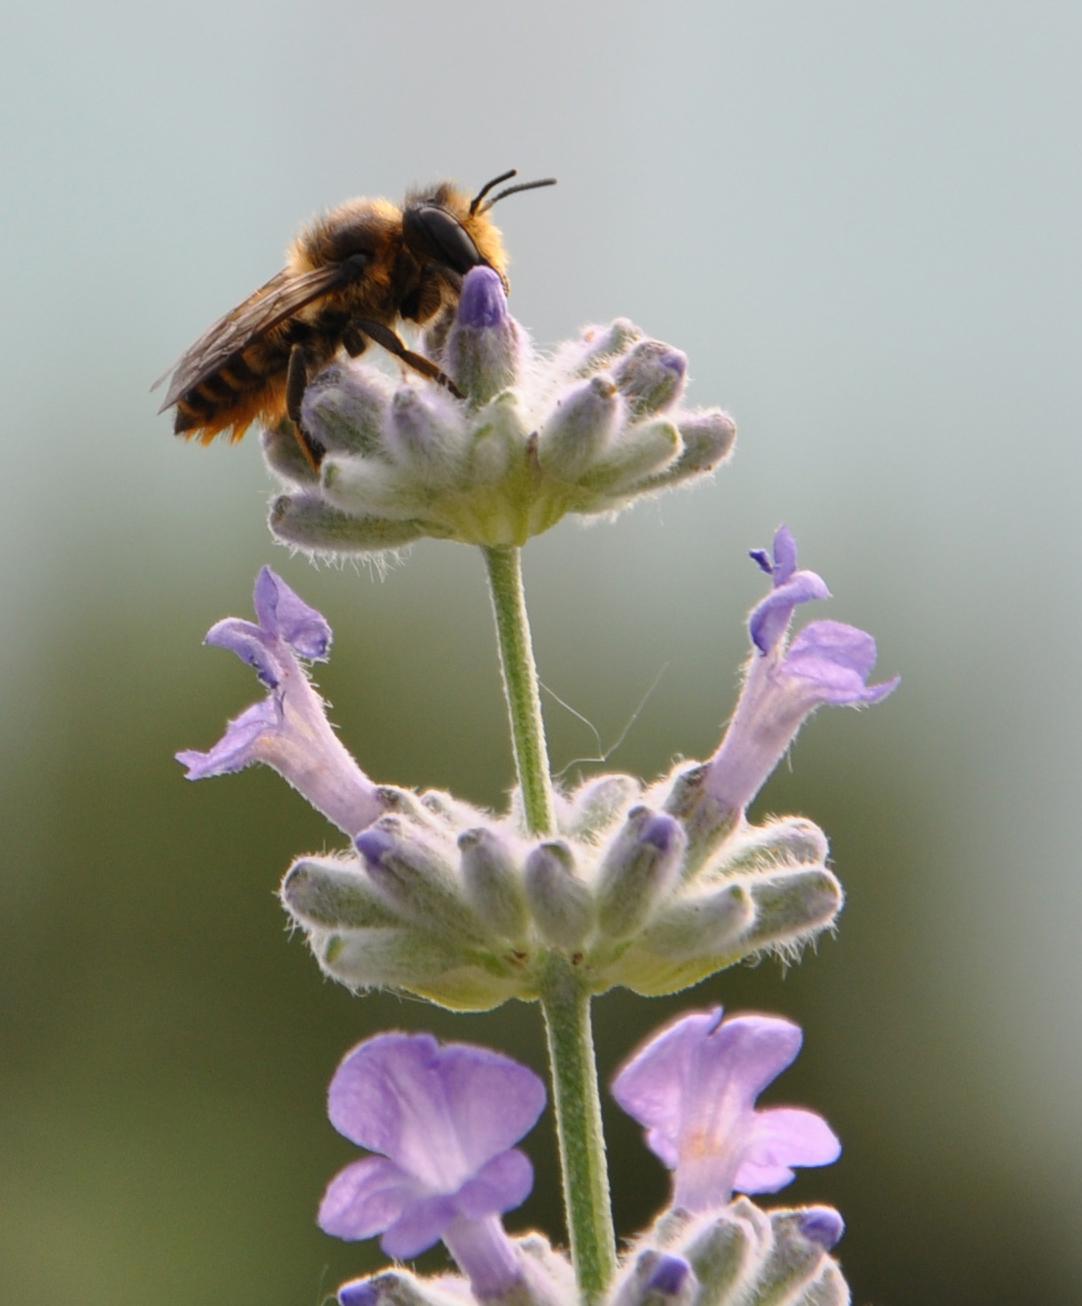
661 831
358 1294
822 1225
669 1275
482 303
373 844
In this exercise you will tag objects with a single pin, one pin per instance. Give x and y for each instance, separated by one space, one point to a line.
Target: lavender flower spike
443 1120
828 662
694 1088
528 439
288 730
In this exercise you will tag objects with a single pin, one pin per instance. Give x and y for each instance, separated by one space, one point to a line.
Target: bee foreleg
296 384
354 341
383 335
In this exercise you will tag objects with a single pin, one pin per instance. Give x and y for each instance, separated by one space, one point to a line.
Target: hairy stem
566 1007
520 687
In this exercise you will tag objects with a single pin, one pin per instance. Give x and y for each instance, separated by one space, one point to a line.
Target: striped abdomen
250 385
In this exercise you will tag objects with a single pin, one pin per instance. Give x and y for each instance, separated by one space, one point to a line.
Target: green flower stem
520 687
566 1006
564 999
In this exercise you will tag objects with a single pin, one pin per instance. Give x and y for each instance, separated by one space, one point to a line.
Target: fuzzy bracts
586 430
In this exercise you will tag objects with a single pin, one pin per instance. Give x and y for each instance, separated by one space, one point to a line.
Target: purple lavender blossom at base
693 1087
442 1121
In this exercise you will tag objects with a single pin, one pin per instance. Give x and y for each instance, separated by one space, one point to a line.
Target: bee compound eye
434 233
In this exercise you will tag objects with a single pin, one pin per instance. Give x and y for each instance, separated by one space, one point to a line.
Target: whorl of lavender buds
650 890
653 891
586 430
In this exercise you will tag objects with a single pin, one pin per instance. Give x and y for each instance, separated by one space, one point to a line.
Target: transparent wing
282 296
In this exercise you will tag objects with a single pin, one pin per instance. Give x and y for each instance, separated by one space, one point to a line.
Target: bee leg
354 341
383 335
296 384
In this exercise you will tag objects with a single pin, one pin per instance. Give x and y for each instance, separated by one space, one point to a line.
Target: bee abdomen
247 386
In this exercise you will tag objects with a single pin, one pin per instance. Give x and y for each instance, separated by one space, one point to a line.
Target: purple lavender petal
440 1112
251 644
694 1087
482 302
493 1100
289 731
363 1101
837 660
236 748
421 1224
762 560
487 1257
804 1137
500 1185
283 613
784 555
650 1085
743 1056
769 619
366 1198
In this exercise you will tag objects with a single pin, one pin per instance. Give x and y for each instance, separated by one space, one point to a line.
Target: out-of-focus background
861 222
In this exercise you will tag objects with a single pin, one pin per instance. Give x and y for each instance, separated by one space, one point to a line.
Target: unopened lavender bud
579 429
790 906
652 377
309 522
499 440
798 1256
425 435
721 1254
561 904
706 823
417 879
702 925
658 1279
602 346
485 349
822 1225
344 408
376 958
638 869
449 810
639 453
597 804
708 438
404 803
284 456
392 1288
828 1288
414 961
334 895
492 884
790 841
370 487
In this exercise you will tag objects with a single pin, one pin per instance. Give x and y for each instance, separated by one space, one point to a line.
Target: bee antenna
504 176
514 190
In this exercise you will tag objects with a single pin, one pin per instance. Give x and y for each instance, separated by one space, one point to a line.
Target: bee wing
263 310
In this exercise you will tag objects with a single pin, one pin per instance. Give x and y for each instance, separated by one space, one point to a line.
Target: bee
350 276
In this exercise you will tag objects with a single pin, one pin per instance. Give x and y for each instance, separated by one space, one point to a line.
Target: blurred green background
862 223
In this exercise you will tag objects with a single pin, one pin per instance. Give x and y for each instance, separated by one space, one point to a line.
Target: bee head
444 226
